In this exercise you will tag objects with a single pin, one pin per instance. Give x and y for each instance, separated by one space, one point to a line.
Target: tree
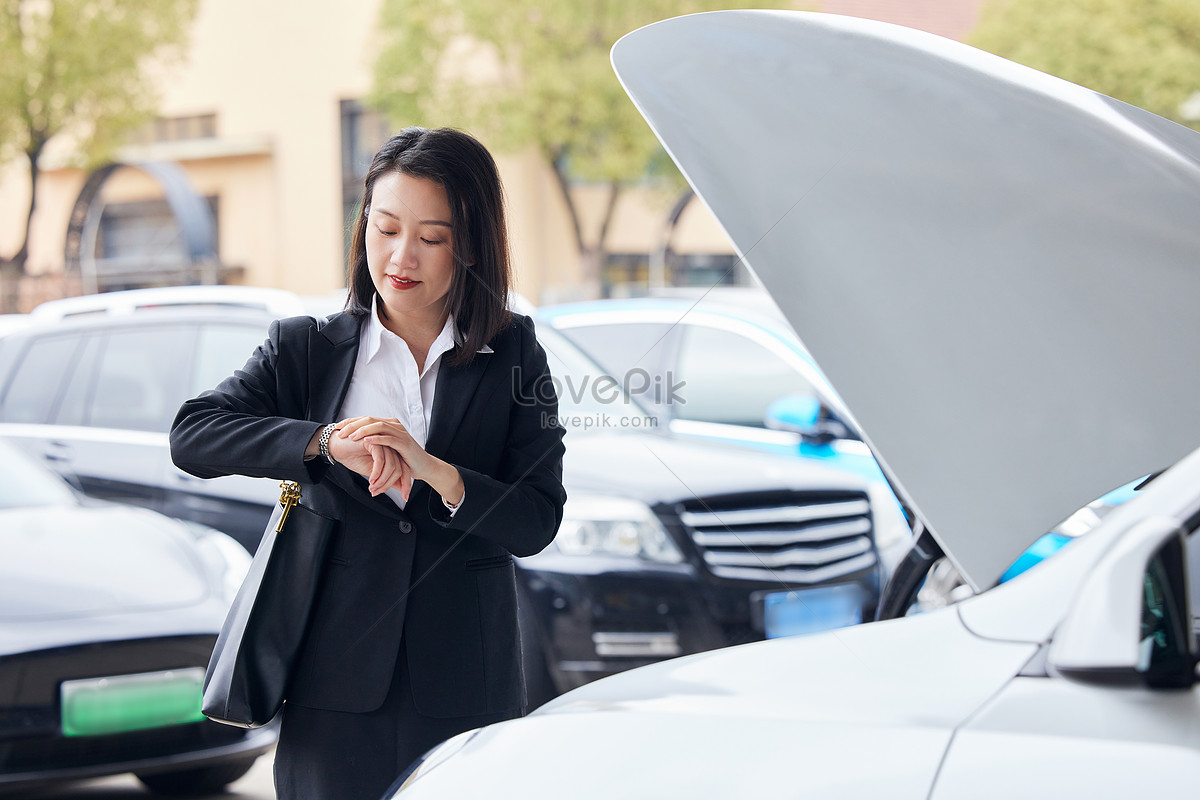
81 68
1145 52
530 73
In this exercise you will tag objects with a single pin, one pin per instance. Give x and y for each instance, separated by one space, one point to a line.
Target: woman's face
410 248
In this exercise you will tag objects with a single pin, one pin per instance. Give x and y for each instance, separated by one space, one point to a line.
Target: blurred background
164 142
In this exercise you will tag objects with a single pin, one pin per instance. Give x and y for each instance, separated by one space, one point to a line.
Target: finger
376 428
391 469
379 468
377 465
404 480
397 443
396 474
348 426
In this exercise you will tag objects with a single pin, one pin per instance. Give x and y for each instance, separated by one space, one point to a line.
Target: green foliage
1145 52
81 66
521 73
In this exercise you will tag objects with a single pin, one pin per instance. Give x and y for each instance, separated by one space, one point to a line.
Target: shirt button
406 527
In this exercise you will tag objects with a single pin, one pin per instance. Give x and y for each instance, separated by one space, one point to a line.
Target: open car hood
999 271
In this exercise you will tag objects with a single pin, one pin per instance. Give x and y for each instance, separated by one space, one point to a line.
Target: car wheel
198 781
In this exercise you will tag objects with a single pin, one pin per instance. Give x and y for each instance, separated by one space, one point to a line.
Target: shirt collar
375 334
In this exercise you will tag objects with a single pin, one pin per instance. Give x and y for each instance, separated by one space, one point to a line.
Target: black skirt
336 755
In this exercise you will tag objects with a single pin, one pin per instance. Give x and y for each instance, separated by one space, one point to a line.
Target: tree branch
556 157
614 191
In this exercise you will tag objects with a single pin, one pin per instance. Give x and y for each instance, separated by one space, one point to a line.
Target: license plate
811 610
98 706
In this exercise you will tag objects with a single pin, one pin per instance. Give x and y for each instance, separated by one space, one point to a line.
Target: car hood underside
996 269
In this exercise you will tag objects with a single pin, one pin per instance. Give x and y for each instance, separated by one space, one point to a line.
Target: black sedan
108 614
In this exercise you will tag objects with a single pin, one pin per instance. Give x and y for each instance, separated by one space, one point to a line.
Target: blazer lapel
332 352
455 388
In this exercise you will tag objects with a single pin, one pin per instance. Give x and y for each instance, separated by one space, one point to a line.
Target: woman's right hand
380 465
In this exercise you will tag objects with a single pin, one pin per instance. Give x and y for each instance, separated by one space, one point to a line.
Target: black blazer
446 585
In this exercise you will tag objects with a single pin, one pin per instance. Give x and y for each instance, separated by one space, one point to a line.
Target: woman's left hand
416 464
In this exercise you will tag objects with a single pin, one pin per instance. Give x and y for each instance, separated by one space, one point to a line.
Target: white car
1016 265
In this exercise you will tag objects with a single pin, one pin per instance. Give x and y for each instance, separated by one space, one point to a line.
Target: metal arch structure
195 218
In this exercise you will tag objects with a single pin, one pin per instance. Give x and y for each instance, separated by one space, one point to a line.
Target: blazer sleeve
522 507
251 424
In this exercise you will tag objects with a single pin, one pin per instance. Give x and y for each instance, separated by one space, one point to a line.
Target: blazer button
406 527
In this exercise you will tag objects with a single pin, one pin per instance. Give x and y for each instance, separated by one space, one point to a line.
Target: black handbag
252 662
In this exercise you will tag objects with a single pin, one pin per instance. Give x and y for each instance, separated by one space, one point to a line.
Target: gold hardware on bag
289 497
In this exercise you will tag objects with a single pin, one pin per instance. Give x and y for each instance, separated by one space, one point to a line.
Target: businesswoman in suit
423 419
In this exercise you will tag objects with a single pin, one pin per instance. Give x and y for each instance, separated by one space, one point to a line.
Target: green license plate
98 706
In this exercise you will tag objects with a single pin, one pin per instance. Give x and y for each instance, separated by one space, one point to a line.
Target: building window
707 269
628 274
176 129
141 244
364 131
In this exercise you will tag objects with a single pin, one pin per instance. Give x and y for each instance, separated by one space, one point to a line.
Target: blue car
725 366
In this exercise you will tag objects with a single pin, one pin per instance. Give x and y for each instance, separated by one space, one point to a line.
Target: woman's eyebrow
387 213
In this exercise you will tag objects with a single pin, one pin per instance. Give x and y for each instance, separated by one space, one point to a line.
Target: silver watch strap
323 443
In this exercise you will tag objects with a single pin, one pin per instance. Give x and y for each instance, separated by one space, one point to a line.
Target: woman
421 419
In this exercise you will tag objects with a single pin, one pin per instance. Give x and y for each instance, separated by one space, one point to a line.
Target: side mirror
1130 622
798 413
807 416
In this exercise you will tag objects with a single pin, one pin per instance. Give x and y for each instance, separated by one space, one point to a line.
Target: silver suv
91 384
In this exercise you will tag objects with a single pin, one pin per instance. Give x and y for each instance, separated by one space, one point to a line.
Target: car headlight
614 526
430 761
226 560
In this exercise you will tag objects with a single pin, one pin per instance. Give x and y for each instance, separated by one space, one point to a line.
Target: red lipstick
402 285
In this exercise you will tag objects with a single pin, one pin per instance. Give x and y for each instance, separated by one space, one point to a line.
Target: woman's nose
404 254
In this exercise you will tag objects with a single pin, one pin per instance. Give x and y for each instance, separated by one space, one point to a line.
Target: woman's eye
382 232
431 241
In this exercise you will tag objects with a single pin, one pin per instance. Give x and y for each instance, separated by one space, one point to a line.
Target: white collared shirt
387 383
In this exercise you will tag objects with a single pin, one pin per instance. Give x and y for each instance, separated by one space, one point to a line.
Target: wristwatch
323 444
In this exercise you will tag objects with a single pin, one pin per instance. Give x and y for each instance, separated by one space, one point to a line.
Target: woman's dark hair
478 296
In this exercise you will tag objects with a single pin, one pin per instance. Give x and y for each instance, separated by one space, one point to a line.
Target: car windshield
26 484
588 397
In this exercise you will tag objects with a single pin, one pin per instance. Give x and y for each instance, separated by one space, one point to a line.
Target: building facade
265 118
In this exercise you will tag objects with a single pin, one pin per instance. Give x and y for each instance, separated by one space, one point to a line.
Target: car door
111 424
40 369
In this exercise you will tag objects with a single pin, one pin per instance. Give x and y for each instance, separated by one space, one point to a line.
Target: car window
78 394
588 397
39 376
1164 650
143 378
730 378
634 354
622 348
221 350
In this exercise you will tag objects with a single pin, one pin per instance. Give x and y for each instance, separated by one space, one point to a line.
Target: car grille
793 538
